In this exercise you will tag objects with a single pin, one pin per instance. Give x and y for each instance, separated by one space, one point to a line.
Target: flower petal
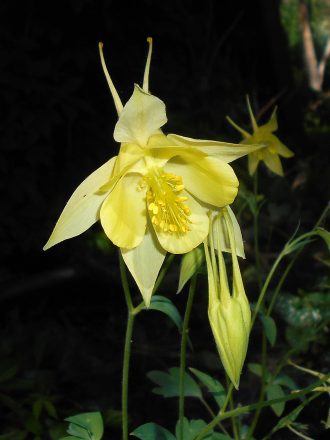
82 209
225 151
123 213
253 160
140 118
180 243
272 123
220 229
209 179
282 150
144 263
273 162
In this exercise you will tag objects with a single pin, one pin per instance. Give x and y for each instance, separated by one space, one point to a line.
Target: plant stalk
183 351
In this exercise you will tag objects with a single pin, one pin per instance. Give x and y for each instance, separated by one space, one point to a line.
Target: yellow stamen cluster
165 204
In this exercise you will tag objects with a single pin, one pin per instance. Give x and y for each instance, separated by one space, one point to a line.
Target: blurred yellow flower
154 196
229 314
264 135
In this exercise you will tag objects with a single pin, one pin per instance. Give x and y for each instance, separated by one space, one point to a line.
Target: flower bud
229 314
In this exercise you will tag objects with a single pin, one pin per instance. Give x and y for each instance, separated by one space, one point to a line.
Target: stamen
166 206
145 86
115 96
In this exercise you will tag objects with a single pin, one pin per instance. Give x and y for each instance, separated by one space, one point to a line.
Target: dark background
62 312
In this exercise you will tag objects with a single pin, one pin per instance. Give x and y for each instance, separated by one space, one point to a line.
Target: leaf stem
256 229
248 408
131 313
183 351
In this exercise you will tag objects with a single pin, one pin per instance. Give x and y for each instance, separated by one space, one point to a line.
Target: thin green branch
183 351
248 408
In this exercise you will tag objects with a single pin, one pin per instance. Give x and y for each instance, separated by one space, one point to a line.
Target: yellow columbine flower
154 196
264 135
229 315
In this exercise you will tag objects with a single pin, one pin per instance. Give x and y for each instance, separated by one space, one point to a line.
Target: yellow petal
253 161
144 263
145 86
141 117
282 150
253 120
209 179
273 162
243 132
82 209
123 213
130 157
272 123
219 224
225 151
180 243
114 93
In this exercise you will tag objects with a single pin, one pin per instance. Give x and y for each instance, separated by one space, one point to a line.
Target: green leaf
190 263
257 370
78 432
275 391
191 428
219 436
152 431
285 381
7 371
168 383
289 418
36 408
269 328
68 437
86 426
323 233
165 305
213 385
50 408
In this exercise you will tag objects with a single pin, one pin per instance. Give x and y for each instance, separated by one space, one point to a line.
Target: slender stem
263 385
280 284
233 419
265 287
227 400
248 408
126 363
127 346
299 434
124 282
230 401
256 229
306 402
210 411
183 351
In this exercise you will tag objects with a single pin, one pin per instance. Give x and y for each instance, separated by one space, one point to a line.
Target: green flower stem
124 282
132 312
292 262
265 287
263 386
248 408
306 402
183 351
210 411
256 229
126 364
269 310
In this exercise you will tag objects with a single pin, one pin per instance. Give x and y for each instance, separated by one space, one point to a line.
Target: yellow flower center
165 204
